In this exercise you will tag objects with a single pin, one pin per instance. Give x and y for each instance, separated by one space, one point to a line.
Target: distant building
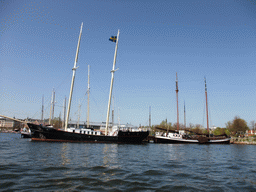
9 125
250 132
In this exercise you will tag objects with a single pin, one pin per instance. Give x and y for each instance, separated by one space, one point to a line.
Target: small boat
180 136
25 133
50 134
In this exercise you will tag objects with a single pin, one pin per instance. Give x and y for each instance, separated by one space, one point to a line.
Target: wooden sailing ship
180 136
50 134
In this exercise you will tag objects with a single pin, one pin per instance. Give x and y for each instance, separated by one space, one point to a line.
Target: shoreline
234 140
243 141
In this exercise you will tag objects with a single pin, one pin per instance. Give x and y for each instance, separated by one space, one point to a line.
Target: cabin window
84 132
80 132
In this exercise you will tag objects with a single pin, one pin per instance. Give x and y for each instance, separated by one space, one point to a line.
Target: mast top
205 84
177 89
77 49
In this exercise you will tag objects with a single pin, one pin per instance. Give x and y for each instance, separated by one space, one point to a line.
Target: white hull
176 139
220 140
164 139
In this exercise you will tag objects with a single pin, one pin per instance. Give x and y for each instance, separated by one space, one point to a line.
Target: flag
112 38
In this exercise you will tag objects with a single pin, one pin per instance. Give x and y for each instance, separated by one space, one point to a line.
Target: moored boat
179 136
182 137
50 134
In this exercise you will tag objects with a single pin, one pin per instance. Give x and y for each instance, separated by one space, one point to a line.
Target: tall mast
79 112
88 99
112 118
118 117
64 111
166 124
177 90
149 121
73 78
113 109
50 118
206 105
184 116
53 104
111 85
59 120
42 116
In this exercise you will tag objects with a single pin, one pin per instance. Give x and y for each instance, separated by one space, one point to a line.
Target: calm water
35 166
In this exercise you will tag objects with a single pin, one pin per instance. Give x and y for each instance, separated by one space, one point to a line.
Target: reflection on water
110 160
110 155
64 152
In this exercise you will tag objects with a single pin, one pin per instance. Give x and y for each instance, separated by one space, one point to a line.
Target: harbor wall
243 140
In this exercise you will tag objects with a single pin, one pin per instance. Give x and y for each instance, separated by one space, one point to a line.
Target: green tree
191 125
166 125
205 131
228 125
163 123
227 132
219 131
174 126
236 125
56 122
197 129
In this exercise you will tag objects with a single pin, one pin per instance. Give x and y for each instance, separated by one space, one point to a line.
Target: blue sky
204 38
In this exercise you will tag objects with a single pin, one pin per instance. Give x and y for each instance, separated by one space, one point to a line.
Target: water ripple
32 166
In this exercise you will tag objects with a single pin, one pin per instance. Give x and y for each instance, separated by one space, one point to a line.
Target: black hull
25 135
41 133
